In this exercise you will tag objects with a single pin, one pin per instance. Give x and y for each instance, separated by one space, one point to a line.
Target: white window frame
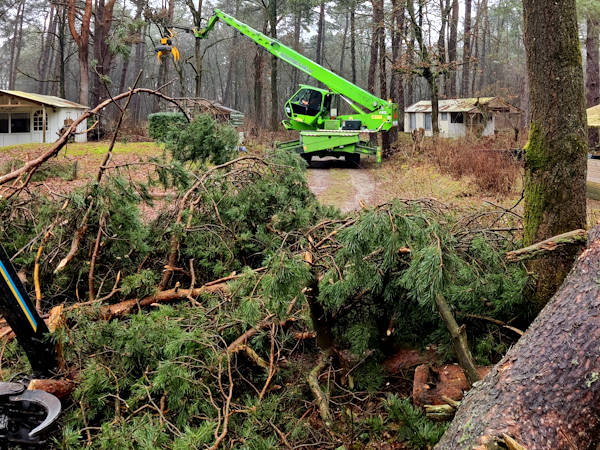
38 121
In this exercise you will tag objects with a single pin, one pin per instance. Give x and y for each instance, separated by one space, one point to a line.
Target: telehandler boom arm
337 84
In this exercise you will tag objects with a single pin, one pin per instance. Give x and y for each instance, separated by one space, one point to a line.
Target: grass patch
92 148
65 170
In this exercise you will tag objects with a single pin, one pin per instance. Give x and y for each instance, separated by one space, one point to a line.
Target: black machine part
351 125
20 314
25 416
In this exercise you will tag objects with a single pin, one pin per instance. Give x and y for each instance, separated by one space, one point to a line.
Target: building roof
48 100
593 116
472 105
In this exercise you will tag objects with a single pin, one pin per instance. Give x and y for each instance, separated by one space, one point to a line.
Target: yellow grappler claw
166 46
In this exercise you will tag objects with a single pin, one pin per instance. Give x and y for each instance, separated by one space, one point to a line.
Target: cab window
307 102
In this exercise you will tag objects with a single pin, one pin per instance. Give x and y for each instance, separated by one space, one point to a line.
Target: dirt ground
335 182
347 187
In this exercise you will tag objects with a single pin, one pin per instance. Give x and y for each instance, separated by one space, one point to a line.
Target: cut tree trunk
545 393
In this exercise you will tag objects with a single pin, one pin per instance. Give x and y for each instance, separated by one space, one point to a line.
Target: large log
545 393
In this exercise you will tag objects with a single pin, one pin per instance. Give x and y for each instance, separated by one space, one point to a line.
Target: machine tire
307 157
353 159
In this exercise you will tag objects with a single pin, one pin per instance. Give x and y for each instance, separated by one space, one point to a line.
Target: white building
34 118
482 116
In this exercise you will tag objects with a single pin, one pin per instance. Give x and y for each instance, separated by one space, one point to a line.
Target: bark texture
592 49
556 154
451 88
464 91
82 39
545 393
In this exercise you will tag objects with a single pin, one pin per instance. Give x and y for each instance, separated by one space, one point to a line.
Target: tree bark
47 44
15 45
556 154
344 39
374 49
592 45
464 91
163 70
81 39
258 82
452 53
353 44
320 31
475 47
272 13
396 86
545 393
103 17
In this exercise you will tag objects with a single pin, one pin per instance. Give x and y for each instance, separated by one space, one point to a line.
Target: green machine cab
313 111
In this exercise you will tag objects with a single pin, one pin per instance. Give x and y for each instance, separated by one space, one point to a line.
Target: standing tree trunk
556 154
138 63
385 135
344 39
197 17
82 40
545 393
592 45
259 66
163 70
320 31
353 44
464 91
374 48
475 48
396 87
59 60
45 63
452 53
484 46
103 17
272 14
15 45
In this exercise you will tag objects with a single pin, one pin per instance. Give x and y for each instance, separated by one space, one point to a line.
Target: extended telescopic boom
335 83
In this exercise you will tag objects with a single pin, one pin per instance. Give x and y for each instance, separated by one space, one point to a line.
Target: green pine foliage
159 378
375 281
413 427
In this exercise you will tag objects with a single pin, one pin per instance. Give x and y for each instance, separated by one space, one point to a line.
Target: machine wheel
353 158
307 157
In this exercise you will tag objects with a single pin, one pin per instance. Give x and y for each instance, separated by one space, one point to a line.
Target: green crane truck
312 111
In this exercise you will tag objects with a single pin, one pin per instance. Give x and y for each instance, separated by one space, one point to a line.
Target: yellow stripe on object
18 296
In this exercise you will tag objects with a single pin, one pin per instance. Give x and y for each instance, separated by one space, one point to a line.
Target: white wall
55 120
447 128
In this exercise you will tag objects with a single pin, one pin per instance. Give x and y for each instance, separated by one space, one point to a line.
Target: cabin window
38 121
413 121
428 121
20 123
444 117
3 123
457 117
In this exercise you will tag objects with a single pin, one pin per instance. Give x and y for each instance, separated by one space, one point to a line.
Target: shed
593 116
482 115
34 118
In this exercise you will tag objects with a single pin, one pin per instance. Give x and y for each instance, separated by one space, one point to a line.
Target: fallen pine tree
545 393
206 369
